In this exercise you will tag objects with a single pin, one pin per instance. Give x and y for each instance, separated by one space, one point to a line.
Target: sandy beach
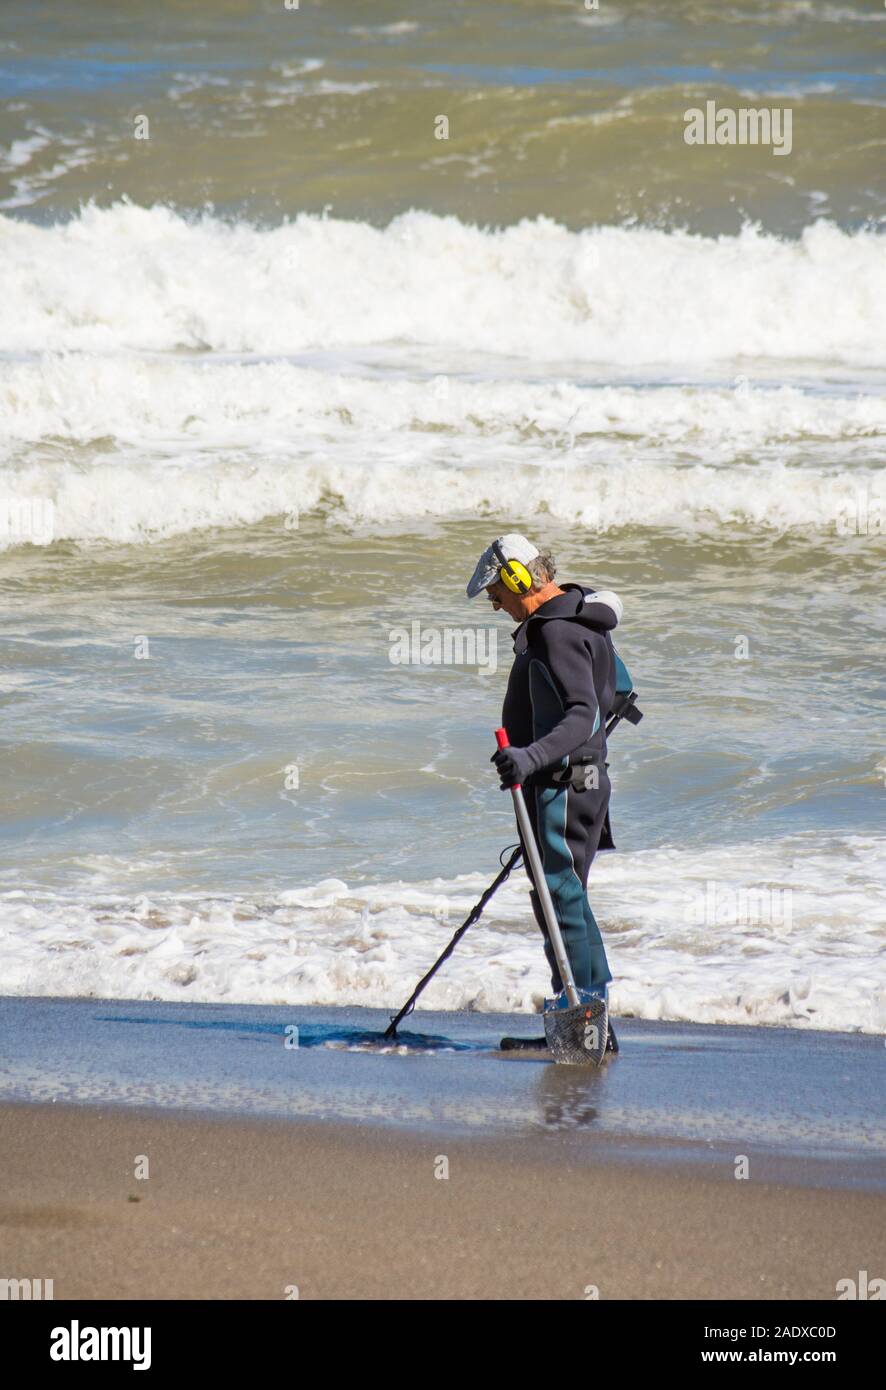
441 1170
246 1210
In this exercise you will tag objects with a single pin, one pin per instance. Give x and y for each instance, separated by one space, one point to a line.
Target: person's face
500 597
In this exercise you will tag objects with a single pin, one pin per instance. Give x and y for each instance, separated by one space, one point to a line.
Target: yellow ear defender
512 574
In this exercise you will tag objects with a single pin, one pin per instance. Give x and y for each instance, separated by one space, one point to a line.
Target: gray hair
542 568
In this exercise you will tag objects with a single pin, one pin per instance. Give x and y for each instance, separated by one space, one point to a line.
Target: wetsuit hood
598 610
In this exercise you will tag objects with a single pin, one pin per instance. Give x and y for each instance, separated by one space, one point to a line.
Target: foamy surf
101 439
128 277
786 932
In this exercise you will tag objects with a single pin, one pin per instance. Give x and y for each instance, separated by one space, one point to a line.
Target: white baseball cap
513 547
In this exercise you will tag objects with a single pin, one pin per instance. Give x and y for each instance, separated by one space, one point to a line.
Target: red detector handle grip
501 738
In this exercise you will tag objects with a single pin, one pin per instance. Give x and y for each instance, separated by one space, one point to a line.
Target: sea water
274 369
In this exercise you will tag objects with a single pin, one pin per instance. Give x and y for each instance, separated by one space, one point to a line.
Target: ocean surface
272 377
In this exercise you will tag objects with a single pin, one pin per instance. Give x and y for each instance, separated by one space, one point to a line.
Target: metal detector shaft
547 906
391 1030
530 848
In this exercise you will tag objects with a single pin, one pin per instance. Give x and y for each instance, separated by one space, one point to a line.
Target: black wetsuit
561 688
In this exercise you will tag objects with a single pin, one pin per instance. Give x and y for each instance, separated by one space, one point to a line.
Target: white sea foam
109 415
21 152
371 31
102 438
818 964
784 13
131 277
71 152
152 400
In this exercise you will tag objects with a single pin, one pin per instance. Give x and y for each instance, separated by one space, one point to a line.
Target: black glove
513 766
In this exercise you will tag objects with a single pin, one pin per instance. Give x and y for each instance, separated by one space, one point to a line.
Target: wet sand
439 1169
807 1107
251 1209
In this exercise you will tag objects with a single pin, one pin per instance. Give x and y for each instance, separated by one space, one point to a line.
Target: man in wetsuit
564 681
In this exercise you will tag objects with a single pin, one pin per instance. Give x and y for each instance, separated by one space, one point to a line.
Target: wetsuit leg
568 825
